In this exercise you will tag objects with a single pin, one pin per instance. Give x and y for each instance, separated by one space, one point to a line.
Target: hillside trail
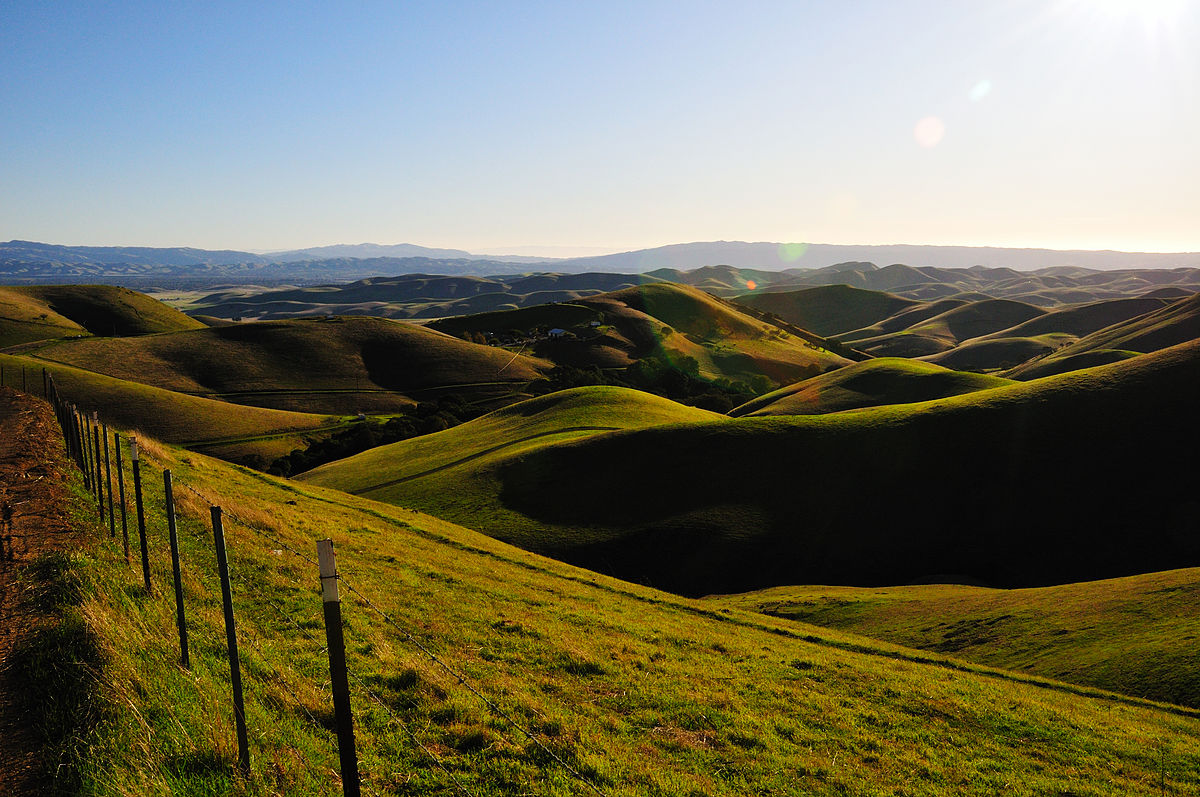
33 520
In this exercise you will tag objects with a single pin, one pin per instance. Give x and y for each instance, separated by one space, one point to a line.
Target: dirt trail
33 520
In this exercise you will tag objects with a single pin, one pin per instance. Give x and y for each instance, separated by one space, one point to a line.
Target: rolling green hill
660 319
885 380
38 312
216 427
996 487
1133 635
640 692
831 309
989 353
335 365
1168 326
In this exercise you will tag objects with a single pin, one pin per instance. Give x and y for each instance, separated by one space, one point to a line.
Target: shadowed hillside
996 487
886 380
830 310
1127 635
341 365
30 313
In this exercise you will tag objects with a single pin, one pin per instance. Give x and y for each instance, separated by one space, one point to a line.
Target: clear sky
601 126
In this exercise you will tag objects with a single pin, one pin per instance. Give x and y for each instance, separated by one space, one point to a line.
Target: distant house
593 324
557 333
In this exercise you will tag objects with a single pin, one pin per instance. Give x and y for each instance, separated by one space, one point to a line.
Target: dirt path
33 520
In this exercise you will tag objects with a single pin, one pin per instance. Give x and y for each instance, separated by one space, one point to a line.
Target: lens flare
751 284
790 253
980 90
929 131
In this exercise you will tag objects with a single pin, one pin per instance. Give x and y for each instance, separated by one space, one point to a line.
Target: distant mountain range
31 262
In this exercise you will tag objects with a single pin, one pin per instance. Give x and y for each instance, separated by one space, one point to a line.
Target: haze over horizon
568 131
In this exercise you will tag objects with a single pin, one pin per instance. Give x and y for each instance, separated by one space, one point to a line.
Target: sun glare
1150 12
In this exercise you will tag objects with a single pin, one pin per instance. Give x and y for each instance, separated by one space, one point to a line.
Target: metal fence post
337 667
96 460
235 667
179 618
112 518
141 515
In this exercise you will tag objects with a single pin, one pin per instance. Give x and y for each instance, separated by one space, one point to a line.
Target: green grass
830 309
643 692
235 430
884 380
990 354
1135 635
975 319
38 312
998 486
336 365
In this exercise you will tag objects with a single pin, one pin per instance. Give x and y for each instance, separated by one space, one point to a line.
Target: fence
103 468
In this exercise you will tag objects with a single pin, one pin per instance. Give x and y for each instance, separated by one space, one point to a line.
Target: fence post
179 619
141 515
337 667
112 518
96 459
121 488
235 666
45 386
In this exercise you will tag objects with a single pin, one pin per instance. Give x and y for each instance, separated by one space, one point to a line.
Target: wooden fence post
96 460
121 488
141 515
235 666
112 518
175 570
327 564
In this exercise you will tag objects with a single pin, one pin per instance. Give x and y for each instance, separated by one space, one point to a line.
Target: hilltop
735 504
32 313
326 365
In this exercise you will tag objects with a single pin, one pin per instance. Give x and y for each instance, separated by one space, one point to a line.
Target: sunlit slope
1134 635
990 353
1069 478
1168 326
642 692
663 319
325 365
229 430
382 472
830 309
885 380
37 312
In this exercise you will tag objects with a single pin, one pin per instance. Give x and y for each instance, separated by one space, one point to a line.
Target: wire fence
87 443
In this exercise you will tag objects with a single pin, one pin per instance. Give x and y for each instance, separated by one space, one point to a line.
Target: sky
584 127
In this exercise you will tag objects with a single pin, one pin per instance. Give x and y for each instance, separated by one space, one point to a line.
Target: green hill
1176 323
380 473
976 318
216 427
638 691
659 319
831 309
989 353
1036 369
997 487
38 312
1083 319
1131 635
886 380
335 365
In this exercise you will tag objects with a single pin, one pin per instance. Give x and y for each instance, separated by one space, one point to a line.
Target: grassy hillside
989 353
1133 635
335 365
1168 326
886 380
996 487
218 427
1082 319
641 692
832 309
1036 369
661 319
568 414
37 312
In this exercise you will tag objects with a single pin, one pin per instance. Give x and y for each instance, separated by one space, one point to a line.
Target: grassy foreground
640 692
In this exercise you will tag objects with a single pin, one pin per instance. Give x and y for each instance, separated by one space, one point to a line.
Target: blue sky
497 127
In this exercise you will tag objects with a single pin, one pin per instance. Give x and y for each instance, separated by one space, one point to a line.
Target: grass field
641 692
830 310
336 365
884 380
997 486
231 430
1135 635
38 312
